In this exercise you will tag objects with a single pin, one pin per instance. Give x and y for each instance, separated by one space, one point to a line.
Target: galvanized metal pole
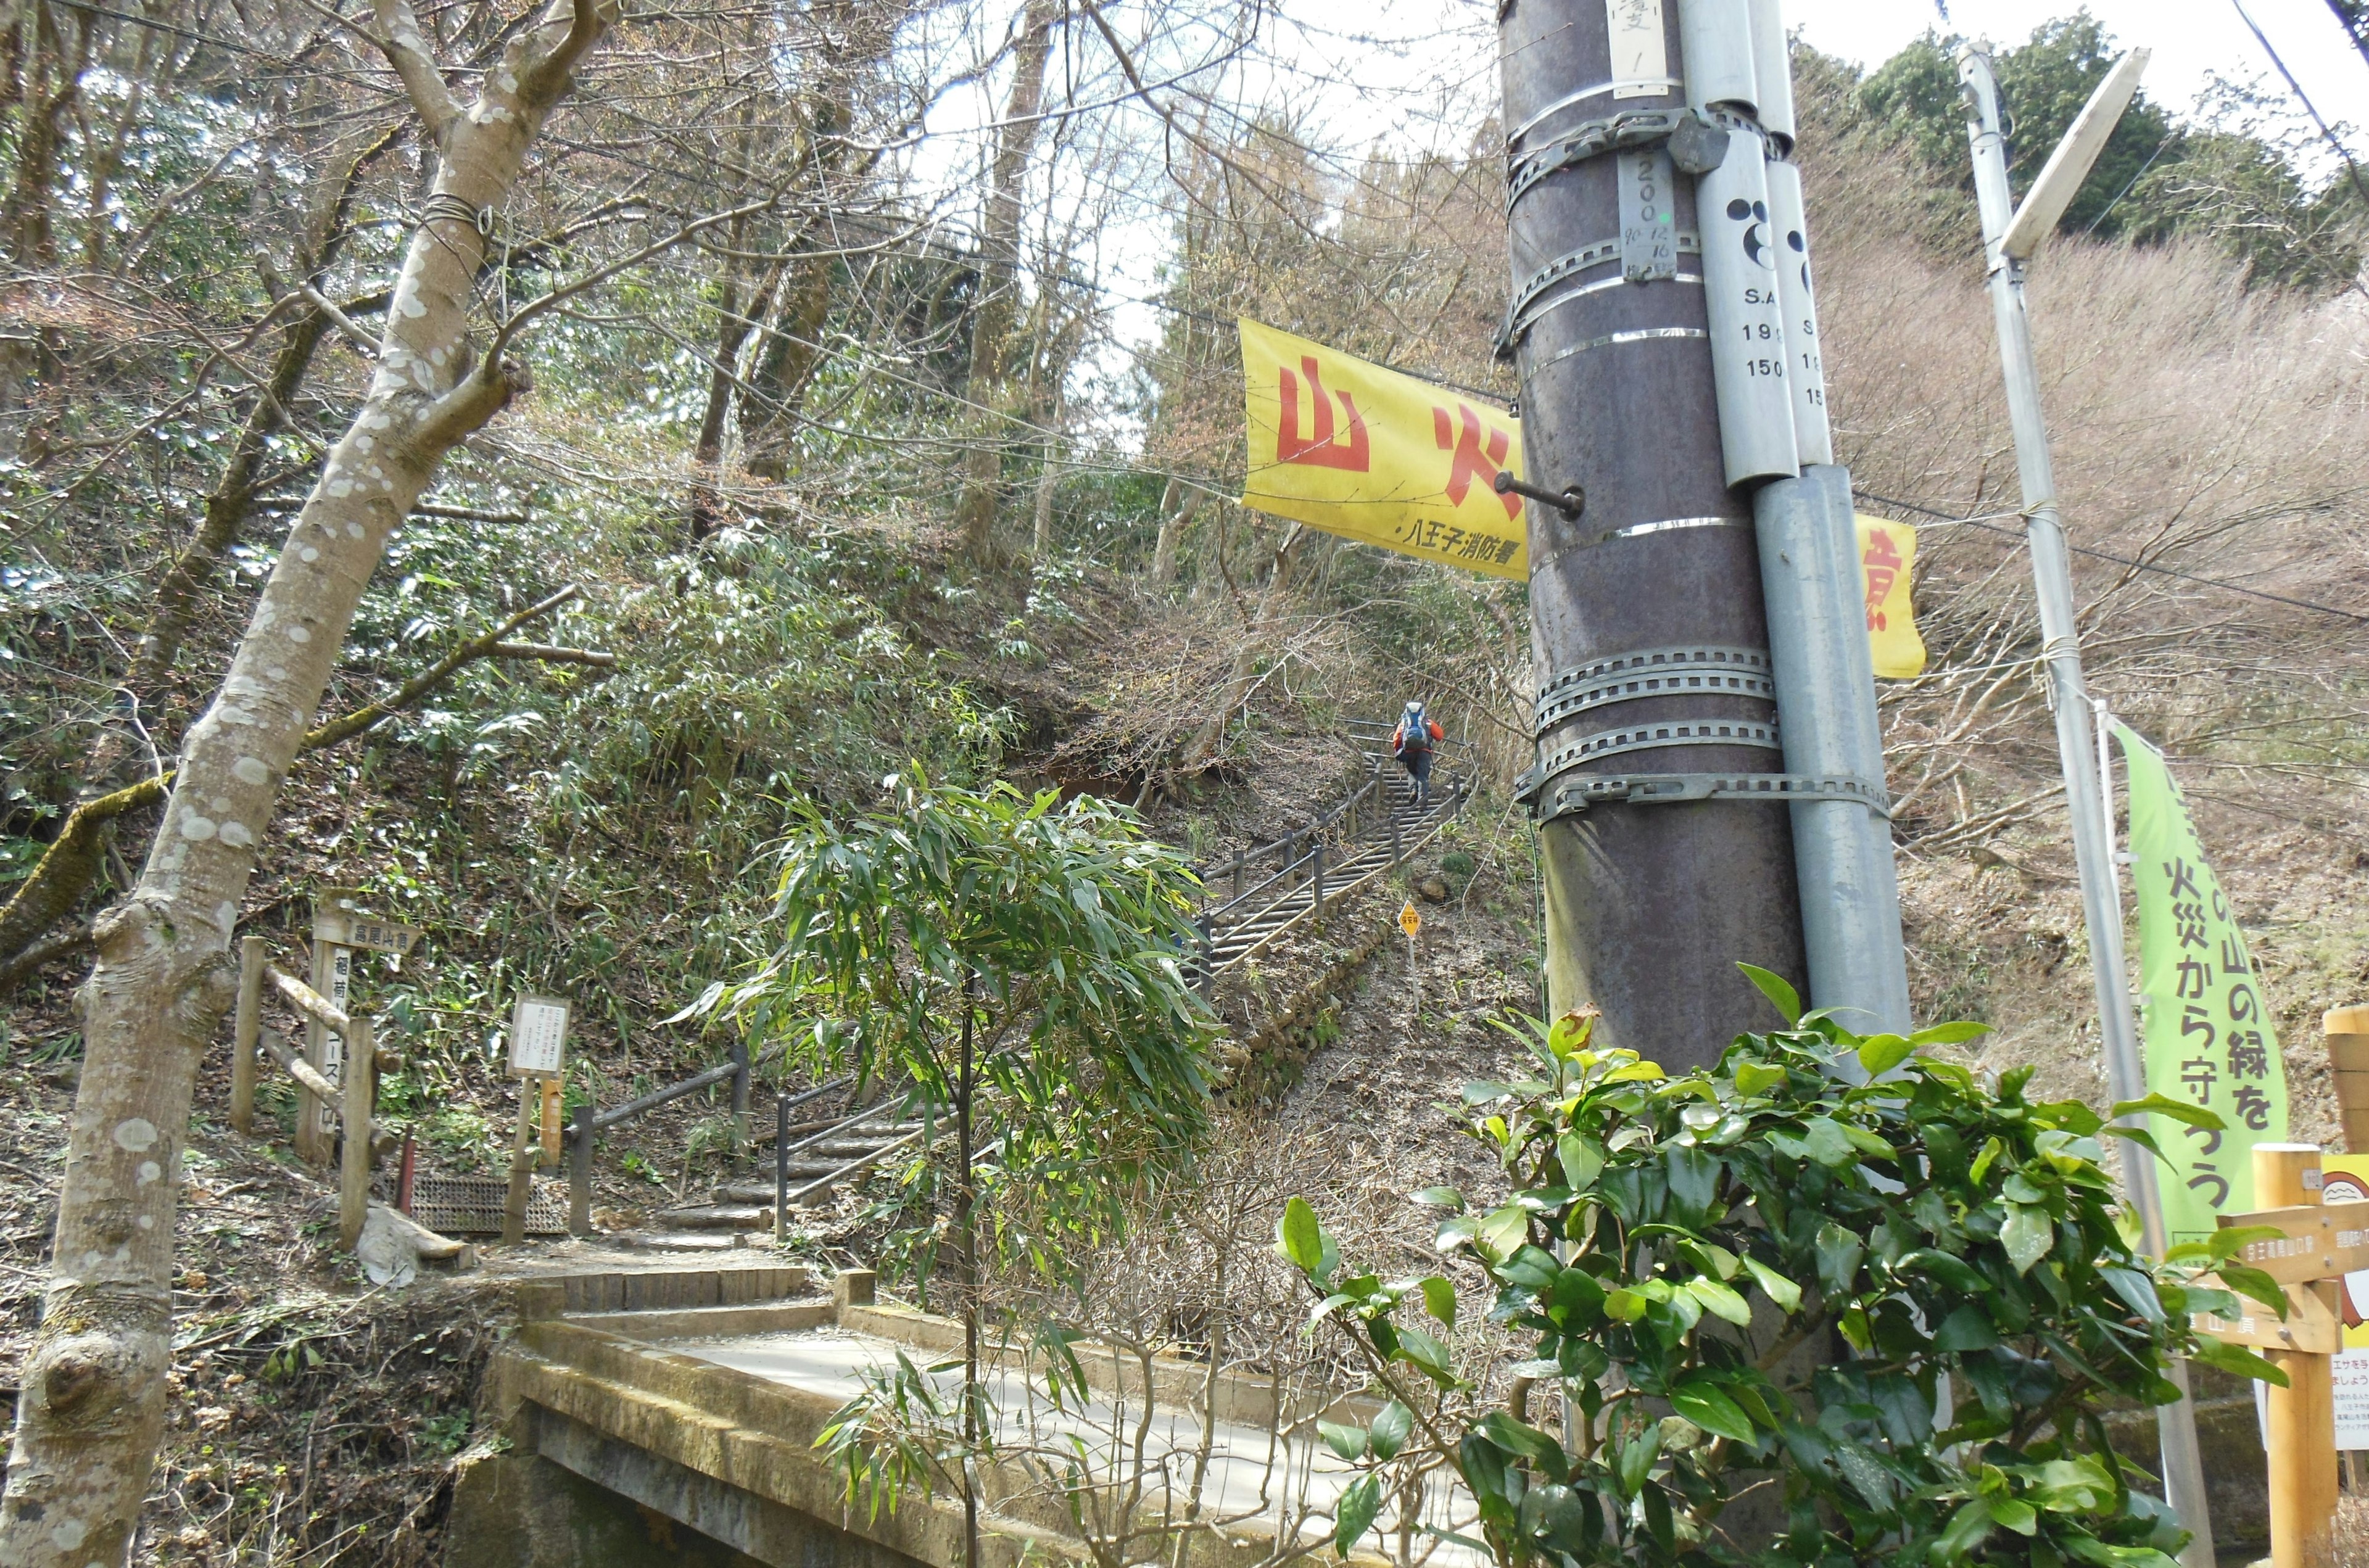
2061 650
1817 630
1833 749
1647 624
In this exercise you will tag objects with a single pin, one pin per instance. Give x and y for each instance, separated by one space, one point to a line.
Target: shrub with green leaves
1906 1302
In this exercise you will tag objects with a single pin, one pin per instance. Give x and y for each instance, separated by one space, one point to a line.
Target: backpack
1414 733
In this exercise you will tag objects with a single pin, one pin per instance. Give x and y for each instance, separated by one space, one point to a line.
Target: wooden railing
354 1095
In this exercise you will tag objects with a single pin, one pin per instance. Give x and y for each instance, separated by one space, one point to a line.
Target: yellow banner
1887 554
1348 447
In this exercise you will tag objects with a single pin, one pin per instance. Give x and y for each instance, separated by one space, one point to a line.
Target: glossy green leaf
2248 1281
1954 1034
2019 1517
1707 1405
1299 1237
1721 1301
2137 1289
1354 1515
1778 990
1439 1300
1968 1327
1839 1252
1427 1354
2177 1110
1391 1429
1775 1285
2238 1361
2231 1240
1582 1160
1879 1054
1349 1442
1968 1529
2028 1235
1503 1231
1441 1197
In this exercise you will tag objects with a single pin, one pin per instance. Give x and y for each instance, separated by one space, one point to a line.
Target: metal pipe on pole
1817 627
2068 696
1648 629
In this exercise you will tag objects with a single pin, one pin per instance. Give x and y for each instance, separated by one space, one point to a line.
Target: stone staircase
840 1152
1266 891
1269 890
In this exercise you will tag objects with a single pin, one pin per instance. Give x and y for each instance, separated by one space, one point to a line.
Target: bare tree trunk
1244 672
1048 483
1178 503
92 1404
1000 247
707 452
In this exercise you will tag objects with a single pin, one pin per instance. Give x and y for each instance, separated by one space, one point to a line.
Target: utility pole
1647 625
1667 336
2009 236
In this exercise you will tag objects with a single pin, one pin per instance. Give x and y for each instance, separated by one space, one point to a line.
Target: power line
2120 560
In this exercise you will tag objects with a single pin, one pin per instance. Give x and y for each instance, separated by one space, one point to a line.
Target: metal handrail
1457 785
1316 825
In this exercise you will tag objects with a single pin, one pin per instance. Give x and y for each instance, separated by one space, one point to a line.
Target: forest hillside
849 389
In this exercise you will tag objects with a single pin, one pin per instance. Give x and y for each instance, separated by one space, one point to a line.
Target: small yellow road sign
1410 922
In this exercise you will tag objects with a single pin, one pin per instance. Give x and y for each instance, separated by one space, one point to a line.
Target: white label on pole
1747 323
333 1044
1641 59
538 1036
1790 240
1649 234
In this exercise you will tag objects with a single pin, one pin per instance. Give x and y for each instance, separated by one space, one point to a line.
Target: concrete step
718 1216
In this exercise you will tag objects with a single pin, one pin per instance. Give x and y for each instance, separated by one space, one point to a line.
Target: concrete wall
522 1511
567 1496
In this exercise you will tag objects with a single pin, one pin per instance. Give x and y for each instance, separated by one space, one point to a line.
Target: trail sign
2321 1241
539 1037
1410 922
347 927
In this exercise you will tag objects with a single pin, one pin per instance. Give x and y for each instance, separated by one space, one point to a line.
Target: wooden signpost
538 1058
340 928
2319 1246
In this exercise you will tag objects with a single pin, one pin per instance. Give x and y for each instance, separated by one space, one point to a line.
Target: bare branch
487 644
407 51
543 81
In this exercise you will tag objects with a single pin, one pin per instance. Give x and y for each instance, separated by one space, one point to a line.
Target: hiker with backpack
1411 744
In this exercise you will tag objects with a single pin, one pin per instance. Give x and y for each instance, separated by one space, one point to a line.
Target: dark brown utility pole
1648 631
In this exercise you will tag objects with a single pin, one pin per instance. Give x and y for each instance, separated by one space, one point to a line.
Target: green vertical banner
2209 1038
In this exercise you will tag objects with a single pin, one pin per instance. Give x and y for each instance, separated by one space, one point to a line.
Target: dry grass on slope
2197 428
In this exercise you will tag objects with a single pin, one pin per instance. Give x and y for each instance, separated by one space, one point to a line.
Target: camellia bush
1902 1304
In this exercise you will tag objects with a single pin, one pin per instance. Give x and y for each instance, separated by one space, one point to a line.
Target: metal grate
472 1205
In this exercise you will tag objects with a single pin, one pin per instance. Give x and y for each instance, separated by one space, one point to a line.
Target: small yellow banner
1344 445
1887 552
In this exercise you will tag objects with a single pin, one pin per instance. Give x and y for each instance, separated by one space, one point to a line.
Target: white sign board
538 1036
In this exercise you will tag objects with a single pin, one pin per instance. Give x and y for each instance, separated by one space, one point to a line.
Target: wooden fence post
781 1168
2302 1416
739 1099
356 1091
333 970
580 1175
245 1033
521 1165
